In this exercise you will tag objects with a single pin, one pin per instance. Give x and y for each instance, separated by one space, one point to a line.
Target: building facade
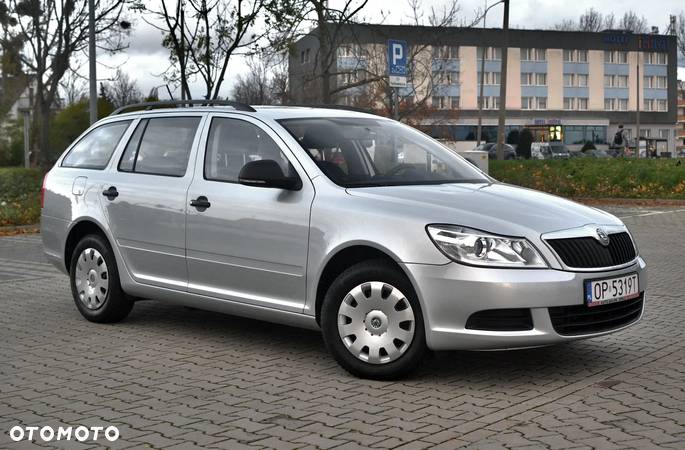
573 87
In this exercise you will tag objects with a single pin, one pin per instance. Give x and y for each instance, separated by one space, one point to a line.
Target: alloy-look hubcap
91 278
376 322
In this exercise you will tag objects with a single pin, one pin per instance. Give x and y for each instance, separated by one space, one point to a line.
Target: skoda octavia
357 225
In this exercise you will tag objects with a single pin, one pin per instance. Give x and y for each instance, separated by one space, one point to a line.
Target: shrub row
19 196
597 178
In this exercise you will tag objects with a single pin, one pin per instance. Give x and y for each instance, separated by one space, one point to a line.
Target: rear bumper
450 293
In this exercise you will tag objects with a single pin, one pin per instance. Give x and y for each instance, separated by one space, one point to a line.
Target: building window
445 52
609 104
623 104
581 56
662 105
491 78
615 57
620 81
581 79
533 54
582 104
526 79
526 102
347 51
661 82
664 133
648 104
443 102
533 102
491 102
450 77
649 81
656 58
454 102
569 103
541 79
568 80
569 55
491 53
646 132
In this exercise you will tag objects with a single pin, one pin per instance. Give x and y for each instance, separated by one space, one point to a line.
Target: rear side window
95 149
232 143
160 146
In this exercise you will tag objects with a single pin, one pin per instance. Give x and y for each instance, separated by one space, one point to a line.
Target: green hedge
597 178
19 196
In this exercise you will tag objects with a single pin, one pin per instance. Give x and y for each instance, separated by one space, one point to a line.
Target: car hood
495 207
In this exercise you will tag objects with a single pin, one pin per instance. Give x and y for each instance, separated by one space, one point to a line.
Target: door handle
200 203
111 193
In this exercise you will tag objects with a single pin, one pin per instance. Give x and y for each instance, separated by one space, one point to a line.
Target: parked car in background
539 150
595 153
491 148
349 223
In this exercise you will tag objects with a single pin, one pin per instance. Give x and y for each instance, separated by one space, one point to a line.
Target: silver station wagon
357 225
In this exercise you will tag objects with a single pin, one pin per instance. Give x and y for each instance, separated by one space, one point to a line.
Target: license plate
611 290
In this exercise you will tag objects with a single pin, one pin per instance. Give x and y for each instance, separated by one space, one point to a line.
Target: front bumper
450 293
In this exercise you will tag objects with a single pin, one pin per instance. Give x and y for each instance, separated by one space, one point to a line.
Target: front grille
583 319
513 319
587 252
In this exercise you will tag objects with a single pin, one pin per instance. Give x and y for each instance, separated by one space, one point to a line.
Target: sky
145 59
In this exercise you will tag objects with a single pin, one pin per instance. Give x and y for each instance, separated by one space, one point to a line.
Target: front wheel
372 322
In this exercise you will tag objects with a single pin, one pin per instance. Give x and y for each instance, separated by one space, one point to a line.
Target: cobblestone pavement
171 377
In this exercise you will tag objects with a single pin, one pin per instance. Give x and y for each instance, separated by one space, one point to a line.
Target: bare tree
680 33
591 20
203 35
122 90
254 86
632 22
53 32
73 87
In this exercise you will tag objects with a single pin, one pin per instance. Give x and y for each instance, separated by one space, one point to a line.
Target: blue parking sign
397 57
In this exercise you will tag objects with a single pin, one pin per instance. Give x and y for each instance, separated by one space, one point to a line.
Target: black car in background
491 148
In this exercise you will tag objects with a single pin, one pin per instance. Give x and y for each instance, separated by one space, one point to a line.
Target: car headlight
478 248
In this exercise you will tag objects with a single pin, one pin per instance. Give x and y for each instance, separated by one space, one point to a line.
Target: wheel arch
77 231
346 257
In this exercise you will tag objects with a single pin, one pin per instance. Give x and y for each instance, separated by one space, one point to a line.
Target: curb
631 201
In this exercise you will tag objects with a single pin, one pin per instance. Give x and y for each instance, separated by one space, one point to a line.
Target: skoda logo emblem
602 237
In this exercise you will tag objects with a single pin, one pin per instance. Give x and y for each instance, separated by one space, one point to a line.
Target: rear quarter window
94 150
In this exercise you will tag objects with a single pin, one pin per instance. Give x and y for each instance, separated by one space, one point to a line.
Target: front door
250 243
147 202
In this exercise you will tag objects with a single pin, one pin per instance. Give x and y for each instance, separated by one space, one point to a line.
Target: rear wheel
372 322
95 282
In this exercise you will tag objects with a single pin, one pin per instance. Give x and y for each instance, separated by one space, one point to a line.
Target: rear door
147 198
250 244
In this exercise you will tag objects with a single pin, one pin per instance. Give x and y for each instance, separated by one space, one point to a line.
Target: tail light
42 191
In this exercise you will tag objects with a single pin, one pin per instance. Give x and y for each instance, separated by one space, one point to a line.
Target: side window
96 148
160 146
232 143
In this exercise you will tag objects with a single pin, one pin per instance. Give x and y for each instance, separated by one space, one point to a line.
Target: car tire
95 284
391 354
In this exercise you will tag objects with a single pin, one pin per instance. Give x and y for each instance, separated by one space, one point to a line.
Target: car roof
272 112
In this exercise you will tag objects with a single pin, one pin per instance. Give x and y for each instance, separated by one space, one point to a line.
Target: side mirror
267 173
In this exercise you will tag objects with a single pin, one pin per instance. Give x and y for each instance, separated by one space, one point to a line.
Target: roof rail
340 107
181 103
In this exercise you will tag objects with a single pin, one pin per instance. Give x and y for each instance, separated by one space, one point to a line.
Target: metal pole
503 84
396 102
27 151
480 95
637 113
93 104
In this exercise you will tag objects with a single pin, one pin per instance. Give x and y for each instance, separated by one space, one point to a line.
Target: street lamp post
503 84
93 101
482 77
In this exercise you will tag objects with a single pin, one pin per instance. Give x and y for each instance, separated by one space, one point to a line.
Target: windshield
356 152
